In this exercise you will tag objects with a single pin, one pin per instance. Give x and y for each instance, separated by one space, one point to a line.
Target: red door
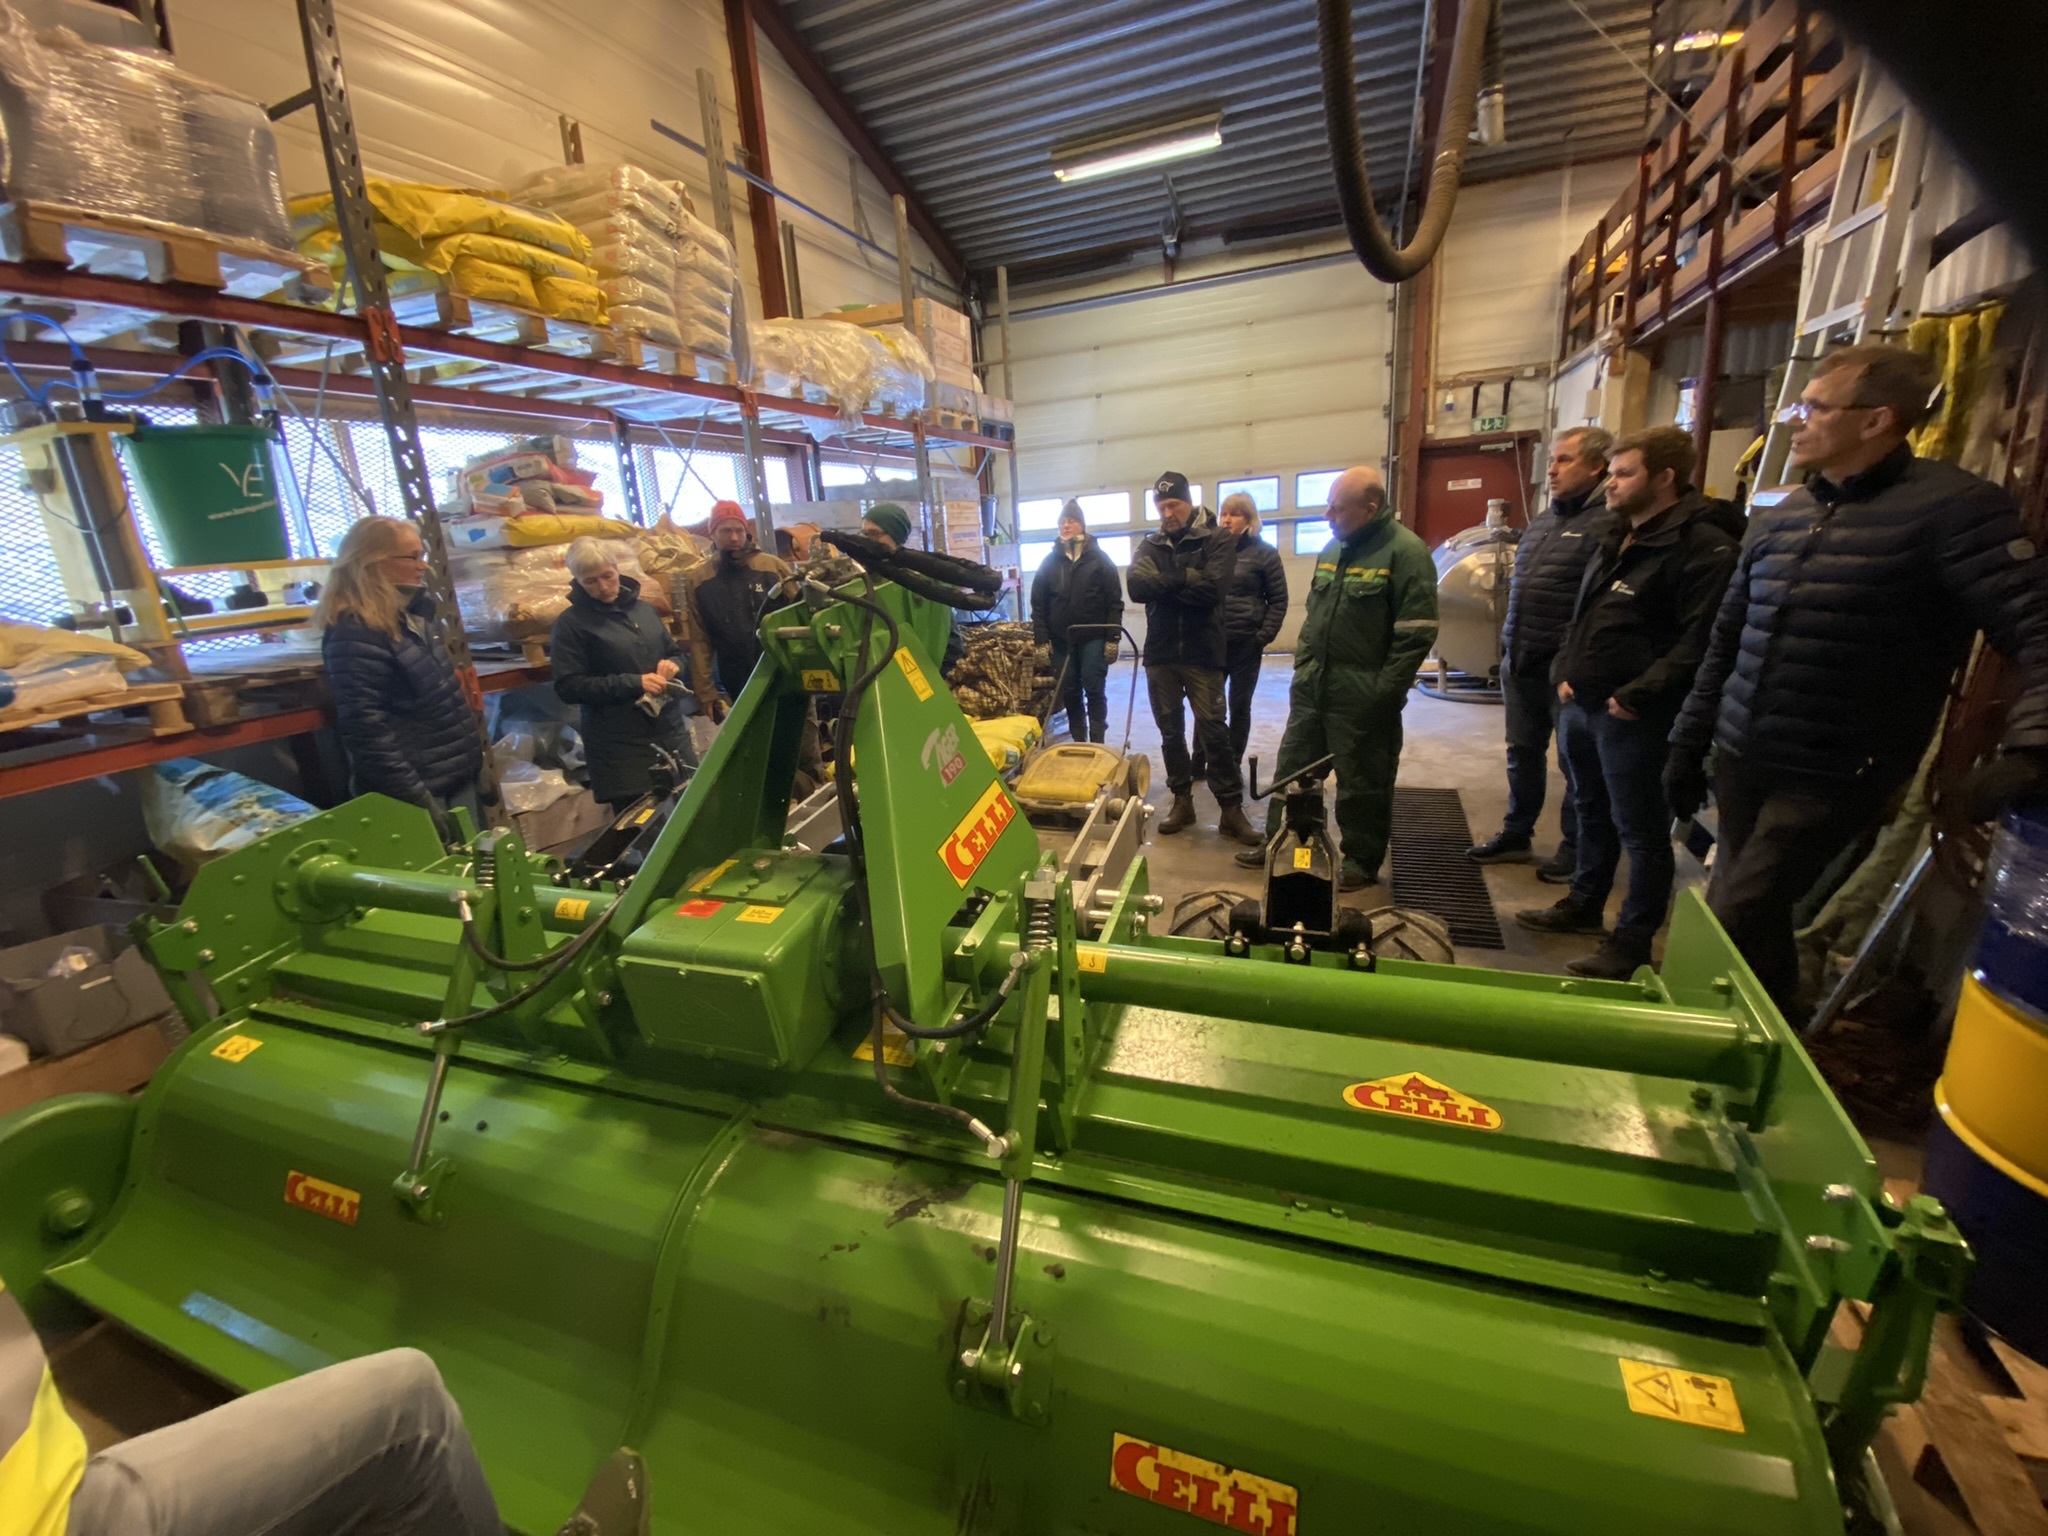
1458 478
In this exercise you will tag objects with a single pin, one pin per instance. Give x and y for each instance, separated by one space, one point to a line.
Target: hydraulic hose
1369 237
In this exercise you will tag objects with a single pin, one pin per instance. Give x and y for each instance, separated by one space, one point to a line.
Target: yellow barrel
1993 1092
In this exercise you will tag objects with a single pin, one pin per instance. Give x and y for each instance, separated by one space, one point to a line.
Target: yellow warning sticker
704 881
236 1047
1303 858
1092 957
644 817
820 680
897 1050
570 909
1230 1497
911 670
758 914
1690 1397
1422 1098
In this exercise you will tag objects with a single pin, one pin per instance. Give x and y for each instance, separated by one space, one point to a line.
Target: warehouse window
1270 533
1312 490
1264 491
1117 547
1031 556
1107 509
1310 535
1038 514
834 475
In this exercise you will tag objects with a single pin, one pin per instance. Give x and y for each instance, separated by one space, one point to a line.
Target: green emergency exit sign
1491 424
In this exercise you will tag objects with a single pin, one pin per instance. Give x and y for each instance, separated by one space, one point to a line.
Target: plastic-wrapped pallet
858 369
128 135
669 277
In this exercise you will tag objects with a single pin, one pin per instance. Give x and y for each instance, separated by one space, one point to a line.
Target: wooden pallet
114 246
163 700
1970 1458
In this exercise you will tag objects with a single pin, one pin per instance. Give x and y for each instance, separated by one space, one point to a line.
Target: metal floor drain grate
1431 871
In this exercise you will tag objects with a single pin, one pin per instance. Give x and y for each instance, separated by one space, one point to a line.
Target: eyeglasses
1803 411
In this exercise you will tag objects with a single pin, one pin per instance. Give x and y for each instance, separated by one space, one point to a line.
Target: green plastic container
212 493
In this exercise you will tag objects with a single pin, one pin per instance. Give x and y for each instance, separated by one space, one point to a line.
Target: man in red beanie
724 598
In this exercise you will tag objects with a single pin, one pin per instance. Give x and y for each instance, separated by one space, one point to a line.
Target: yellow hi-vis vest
42 1453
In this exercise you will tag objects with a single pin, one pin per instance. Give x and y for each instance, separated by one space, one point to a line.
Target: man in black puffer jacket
1078 584
1637 633
1181 574
1549 561
1827 665
1253 610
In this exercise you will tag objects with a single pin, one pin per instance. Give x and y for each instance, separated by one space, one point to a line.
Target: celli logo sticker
1225 1496
1422 1098
942 751
968 844
333 1201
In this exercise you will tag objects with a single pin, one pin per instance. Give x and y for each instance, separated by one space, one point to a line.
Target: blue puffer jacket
1851 609
1549 561
399 707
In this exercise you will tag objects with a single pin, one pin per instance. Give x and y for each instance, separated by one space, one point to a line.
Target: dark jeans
1774 844
1241 660
1617 776
1531 707
1086 694
1202 687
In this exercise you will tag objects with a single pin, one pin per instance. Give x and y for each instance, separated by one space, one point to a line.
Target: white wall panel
469 91
1501 270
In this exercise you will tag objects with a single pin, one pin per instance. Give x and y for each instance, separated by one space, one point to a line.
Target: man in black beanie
1181 574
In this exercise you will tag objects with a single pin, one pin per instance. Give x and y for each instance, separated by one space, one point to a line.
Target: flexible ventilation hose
1369 237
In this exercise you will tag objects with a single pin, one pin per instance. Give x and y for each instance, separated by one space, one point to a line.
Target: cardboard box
569 821
118 1064
994 408
950 328
57 1015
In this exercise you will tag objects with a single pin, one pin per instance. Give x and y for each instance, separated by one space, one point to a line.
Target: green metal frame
659 1200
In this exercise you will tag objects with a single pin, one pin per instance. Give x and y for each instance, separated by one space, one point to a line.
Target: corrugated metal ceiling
969 97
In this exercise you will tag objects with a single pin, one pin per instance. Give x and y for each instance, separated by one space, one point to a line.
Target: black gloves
2014 774
1685 782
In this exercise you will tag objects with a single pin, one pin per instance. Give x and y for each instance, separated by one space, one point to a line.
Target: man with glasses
1855 600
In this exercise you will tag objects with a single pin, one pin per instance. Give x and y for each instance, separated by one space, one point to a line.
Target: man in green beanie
887 522
891 524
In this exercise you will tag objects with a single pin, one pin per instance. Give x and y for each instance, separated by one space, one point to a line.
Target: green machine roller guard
1121 1232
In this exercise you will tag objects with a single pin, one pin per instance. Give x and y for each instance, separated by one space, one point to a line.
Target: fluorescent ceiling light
1143 147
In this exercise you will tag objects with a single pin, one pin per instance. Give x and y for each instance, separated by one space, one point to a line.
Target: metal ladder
1862 274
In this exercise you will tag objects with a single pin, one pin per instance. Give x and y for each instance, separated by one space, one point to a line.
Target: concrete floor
1445 745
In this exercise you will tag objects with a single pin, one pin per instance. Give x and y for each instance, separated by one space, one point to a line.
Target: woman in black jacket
612 654
1254 608
1077 584
398 705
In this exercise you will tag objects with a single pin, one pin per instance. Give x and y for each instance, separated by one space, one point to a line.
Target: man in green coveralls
1371 621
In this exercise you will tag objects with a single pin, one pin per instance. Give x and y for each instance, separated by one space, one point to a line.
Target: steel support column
384 355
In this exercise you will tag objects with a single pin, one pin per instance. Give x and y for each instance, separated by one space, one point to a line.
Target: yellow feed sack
565 298
492 282
560 528
440 253
1006 738
427 213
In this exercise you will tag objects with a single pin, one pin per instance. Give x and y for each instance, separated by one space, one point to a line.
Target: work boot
1501 848
1566 916
1180 817
1354 876
1614 960
1233 826
1253 858
1559 868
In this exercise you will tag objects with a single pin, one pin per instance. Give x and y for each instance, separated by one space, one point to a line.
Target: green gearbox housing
1335 1246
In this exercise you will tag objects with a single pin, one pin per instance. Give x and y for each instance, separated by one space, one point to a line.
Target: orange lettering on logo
1422 1098
322 1198
970 842
1236 1500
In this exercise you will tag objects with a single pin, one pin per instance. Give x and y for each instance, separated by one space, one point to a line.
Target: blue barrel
1987 1156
